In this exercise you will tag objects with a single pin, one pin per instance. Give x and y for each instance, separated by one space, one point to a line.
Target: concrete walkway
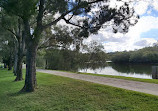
148 88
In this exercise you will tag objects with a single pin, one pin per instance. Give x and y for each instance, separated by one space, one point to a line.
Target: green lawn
126 78
56 93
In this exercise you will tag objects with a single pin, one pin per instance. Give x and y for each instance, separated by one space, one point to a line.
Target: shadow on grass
19 93
5 76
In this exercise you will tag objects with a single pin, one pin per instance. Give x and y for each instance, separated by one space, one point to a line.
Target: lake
128 70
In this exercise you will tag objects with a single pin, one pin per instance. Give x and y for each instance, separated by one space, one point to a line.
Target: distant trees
145 55
148 55
64 59
122 57
95 51
68 58
7 49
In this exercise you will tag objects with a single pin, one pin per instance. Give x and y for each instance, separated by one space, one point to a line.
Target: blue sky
151 12
153 33
143 34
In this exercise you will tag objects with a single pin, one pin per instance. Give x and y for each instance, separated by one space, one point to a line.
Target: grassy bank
126 78
59 93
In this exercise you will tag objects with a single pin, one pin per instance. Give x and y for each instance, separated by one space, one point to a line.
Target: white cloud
155 4
141 7
145 42
130 41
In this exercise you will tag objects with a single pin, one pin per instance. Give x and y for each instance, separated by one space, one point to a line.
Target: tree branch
14 34
11 31
46 41
75 8
68 22
40 14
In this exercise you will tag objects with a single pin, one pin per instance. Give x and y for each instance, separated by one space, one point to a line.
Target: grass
118 77
56 93
126 78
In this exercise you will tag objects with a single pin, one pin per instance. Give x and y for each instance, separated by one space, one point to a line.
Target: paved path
149 88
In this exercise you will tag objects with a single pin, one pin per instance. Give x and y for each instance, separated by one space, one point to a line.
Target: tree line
145 55
71 60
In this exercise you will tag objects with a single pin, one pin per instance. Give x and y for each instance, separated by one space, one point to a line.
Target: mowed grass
122 77
56 93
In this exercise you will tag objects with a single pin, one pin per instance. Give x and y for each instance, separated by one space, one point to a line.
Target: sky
143 34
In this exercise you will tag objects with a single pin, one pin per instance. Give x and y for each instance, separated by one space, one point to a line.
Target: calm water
128 70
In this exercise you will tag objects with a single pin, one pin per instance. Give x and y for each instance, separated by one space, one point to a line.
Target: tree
145 55
121 57
38 15
95 51
6 49
13 25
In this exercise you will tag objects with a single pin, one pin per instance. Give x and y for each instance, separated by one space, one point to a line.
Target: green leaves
54 6
8 22
21 8
145 55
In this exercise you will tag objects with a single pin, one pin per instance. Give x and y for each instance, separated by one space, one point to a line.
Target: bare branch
15 35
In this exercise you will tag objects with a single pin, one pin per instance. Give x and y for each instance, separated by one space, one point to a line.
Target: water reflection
133 68
128 70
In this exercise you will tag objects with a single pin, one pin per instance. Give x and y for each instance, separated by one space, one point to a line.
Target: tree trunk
21 48
5 65
15 65
19 75
9 67
30 80
10 64
15 60
32 45
46 67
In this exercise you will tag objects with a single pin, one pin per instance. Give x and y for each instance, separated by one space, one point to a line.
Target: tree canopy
145 55
39 15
